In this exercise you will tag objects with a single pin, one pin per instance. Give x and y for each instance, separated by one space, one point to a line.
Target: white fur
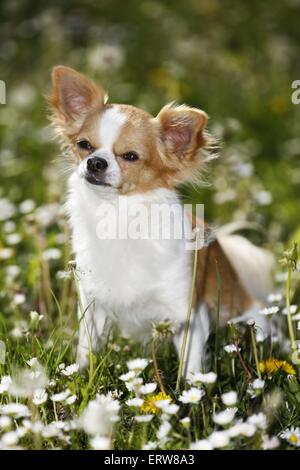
138 282
111 123
253 264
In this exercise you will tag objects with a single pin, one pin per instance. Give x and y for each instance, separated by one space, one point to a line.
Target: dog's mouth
93 180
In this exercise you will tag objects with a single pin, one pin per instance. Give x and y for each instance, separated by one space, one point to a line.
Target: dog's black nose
96 164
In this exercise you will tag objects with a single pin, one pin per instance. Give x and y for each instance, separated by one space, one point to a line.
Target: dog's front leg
195 357
91 325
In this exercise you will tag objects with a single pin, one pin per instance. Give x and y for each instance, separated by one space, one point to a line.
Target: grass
201 56
38 320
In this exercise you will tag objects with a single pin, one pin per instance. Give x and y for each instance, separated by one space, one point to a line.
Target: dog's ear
180 131
73 96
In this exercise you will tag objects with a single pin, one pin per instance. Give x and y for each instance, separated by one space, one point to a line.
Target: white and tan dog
121 153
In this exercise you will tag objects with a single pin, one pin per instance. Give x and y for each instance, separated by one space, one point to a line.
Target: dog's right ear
73 96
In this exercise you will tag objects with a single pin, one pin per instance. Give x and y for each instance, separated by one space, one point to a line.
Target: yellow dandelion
149 405
272 365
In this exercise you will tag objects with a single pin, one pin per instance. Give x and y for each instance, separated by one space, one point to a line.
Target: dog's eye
84 145
130 156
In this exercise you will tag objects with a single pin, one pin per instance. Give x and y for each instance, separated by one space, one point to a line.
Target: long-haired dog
124 157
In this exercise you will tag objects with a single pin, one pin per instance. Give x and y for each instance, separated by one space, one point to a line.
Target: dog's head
120 148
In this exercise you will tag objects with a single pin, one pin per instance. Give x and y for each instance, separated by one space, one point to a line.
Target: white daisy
6 253
52 254
36 427
259 420
60 397
137 365
224 417
70 370
5 422
26 206
185 422
135 402
258 384
26 381
151 445
219 439
163 431
229 398
275 297
40 396
162 403
70 400
192 396
208 378
15 409
13 238
270 443
167 408
144 418
7 209
293 310
19 299
5 383
148 388
134 385
269 310
100 443
51 430
99 415
242 429
10 438
128 376
256 387
291 435
203 444
230 348
36 317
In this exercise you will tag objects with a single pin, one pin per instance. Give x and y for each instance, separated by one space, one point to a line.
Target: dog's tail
252 264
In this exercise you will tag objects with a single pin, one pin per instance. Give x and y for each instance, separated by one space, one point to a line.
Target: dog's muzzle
95 171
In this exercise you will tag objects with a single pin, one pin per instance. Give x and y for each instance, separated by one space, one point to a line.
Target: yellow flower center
293 439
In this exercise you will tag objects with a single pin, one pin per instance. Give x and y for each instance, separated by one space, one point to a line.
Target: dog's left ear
180 130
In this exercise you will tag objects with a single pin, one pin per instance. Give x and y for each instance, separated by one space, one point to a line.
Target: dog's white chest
133 278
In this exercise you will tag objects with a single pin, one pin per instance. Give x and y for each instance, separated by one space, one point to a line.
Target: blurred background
236 60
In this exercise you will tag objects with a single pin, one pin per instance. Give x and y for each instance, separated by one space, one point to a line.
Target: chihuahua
122 157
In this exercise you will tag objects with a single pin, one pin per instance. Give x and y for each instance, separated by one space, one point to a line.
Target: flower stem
288 310
252 332
218 278
155 364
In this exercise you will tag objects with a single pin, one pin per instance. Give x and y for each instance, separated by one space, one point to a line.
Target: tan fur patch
233 297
